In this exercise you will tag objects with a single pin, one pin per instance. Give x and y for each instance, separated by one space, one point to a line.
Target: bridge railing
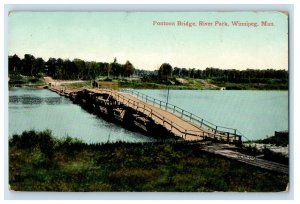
151 113
186 115
169 124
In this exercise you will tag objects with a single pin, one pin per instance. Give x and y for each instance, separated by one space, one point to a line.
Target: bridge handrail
163 119
149 110
196 120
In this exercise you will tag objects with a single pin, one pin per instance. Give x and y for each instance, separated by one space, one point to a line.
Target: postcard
148 101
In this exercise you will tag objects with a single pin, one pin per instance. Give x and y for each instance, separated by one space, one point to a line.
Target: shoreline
189 84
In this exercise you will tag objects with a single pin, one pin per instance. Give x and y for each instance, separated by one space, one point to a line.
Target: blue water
256 114
41 109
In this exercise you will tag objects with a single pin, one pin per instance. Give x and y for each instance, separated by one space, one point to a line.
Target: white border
142 196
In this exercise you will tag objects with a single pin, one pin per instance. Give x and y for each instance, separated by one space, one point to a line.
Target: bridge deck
173 123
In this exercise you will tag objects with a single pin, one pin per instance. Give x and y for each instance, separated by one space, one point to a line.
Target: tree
14 63
165 71
92 70
128 69
59 69
69 70
28 64
115 68
39 65
80 67
50 66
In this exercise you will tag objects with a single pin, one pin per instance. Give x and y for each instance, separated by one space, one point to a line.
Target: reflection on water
34 100
42 109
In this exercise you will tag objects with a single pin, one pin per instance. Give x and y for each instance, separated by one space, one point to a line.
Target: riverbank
40 162
274 148
138 83
21 80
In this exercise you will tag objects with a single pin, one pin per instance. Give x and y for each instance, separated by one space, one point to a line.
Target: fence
206 129
186 115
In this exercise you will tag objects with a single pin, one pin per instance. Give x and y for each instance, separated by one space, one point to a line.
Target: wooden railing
167 123
186 115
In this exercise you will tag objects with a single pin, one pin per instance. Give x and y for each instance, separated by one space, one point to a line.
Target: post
146 98
171 125
190 116
168 96
174 109
216 129
160 104
234 134
201 122
182 113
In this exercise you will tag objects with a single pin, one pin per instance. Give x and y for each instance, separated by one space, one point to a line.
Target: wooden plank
170 121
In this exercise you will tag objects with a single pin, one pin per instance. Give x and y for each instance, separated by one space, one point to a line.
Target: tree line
166 72
80 69
233 75
67 69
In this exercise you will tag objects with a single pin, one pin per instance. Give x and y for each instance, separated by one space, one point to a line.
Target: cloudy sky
101 36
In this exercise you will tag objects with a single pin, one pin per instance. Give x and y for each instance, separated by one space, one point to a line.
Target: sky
134 36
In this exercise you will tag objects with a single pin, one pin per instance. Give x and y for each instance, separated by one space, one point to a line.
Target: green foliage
165 71
232 79
160 166
278 140
274 156
66 69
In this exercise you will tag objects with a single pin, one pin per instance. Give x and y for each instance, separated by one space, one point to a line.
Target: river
41 109
256 114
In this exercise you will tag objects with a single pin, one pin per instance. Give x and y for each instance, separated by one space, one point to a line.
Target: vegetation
279 139
40 162
66 69
165 71
164 76
26 80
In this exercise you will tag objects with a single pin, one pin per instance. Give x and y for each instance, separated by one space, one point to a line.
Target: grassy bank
39 162
271 85
202 84
20 80
278 140
174 83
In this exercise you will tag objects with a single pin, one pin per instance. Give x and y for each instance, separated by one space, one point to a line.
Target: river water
254 113
41 109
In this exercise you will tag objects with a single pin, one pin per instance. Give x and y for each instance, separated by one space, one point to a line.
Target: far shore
136 83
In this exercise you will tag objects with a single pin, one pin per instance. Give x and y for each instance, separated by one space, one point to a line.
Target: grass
77 85
40 162
277 140
17 80
204 84
253 86
192 84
